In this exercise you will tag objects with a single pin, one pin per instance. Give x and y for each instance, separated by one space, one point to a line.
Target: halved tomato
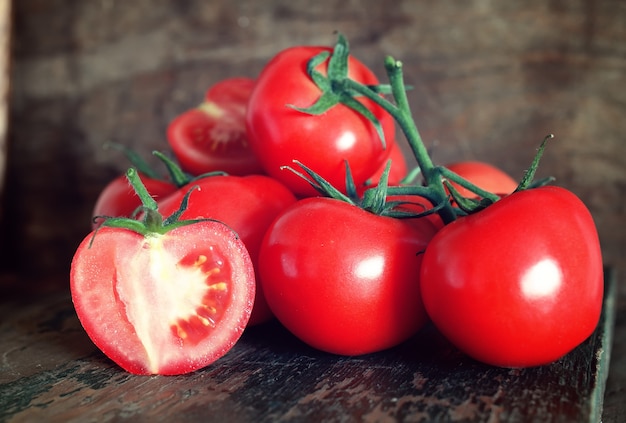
167 303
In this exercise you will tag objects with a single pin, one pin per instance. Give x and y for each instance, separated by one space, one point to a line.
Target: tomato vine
336 87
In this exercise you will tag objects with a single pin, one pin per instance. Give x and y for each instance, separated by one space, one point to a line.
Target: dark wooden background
490 80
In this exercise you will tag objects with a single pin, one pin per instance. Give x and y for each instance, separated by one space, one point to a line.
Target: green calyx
151 222
374 200
336 87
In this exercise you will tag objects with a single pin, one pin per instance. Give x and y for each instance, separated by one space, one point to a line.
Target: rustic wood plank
51 372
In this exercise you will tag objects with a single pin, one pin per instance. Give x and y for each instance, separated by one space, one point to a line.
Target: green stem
140 189
401 113
458 179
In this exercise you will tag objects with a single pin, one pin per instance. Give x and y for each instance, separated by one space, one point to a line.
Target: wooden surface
490 80
51 372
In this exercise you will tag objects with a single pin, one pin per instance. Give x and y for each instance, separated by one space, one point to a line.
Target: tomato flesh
163 304
248 204
212 136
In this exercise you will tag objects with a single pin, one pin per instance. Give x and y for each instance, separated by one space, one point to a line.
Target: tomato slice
212 136
163 303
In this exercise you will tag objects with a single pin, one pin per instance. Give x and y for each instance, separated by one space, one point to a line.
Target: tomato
163 303
344 280
247 204
280 134
119 199
212 136
483 175
518 284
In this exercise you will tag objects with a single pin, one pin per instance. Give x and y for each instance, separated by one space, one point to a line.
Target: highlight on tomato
212 136
162 296
289 117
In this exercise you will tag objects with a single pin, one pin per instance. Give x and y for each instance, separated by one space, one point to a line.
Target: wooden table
51 372
490 80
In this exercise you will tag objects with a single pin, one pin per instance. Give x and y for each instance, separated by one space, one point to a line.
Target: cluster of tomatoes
176 269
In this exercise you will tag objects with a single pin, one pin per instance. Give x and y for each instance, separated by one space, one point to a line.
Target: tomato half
280 134
342 279
163 304
119 199
518 284
247 204
212 136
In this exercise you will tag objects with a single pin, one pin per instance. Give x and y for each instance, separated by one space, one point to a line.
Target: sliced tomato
163 303
212 136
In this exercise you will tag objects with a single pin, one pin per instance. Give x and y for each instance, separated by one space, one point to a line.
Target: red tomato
163 304
212 137
342 279
484 176
119 199
518 284
279 134
247 204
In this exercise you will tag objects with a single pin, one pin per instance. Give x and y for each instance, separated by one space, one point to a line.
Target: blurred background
490 80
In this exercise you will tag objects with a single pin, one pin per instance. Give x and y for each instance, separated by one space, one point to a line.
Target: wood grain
51 372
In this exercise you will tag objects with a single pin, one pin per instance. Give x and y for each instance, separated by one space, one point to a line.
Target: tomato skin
341 279
119 199
130 310
483 175
247 204
212 136
518 284
279 134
